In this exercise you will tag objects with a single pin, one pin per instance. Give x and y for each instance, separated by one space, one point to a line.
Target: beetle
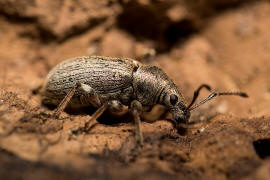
114 83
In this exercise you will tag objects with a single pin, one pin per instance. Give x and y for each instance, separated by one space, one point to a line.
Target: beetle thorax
148 84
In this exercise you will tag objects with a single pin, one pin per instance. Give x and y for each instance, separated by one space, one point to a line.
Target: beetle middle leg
115 107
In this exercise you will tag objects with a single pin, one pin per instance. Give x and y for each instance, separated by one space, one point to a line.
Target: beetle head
181 112
175 103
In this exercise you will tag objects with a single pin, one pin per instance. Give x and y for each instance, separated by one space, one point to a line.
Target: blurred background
224 43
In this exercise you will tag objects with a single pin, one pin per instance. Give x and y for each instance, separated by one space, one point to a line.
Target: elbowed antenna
190 107
215 94
196 94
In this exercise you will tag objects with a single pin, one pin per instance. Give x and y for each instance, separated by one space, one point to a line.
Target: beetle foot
88 124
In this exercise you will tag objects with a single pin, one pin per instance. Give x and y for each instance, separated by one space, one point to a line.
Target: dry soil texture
223 43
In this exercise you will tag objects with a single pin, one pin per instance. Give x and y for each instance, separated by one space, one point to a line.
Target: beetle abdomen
104 75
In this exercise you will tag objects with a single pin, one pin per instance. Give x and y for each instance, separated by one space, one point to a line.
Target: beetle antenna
196 94
215 94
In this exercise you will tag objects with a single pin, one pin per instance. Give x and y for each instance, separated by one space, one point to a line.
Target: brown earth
225 44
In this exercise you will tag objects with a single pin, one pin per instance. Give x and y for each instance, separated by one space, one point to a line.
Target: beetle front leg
136 109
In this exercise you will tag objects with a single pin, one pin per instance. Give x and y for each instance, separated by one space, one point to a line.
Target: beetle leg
65 101
89 95
88 124
116 108
113 106
136 109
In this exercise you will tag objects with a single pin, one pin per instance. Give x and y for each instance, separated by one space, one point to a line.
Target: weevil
115 83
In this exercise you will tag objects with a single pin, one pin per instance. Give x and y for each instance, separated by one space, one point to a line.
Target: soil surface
225 44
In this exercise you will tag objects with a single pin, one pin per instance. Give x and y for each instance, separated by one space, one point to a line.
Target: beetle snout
182 118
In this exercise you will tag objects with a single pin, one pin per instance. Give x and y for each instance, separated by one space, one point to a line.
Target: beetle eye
173 99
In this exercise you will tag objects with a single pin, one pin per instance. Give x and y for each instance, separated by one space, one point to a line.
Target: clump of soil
222 43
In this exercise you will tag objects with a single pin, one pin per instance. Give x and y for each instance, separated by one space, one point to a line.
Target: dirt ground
225 44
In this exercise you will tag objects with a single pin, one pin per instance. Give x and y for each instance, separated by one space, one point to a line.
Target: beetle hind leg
89 95
60 108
